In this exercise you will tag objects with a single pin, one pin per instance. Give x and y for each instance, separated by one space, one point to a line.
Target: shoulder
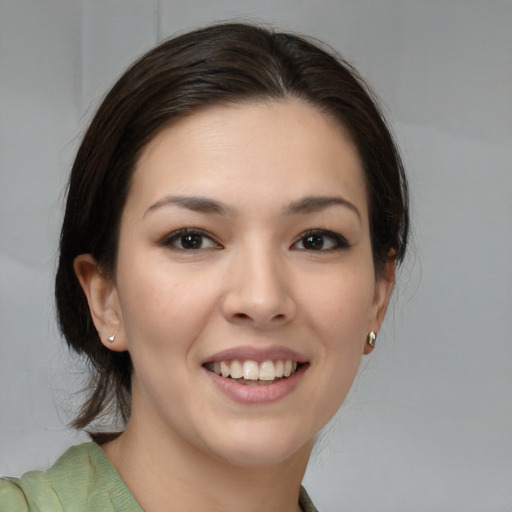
12 497
63 484
82 479
305 503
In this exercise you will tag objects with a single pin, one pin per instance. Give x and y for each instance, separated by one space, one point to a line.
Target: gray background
428 425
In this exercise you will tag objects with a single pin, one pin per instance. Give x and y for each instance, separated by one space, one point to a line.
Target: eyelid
340 242
169 239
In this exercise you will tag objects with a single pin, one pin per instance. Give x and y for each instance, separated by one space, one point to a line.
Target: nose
259 290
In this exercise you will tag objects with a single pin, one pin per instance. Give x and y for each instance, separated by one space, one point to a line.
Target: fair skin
275 265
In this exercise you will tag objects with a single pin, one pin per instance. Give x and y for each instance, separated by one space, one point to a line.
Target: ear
383 287
101 293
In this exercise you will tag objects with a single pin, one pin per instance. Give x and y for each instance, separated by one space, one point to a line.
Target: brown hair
220 63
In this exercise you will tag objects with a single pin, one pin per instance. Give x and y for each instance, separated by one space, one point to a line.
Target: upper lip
245 353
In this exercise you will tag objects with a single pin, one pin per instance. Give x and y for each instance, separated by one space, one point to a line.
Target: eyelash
176 236
337 241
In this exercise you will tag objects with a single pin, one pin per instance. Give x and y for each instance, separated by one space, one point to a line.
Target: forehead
274 151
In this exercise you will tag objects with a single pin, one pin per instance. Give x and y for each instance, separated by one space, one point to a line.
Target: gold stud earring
371 339
112 338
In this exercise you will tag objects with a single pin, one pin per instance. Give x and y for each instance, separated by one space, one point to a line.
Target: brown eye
313 242
190 240
320 240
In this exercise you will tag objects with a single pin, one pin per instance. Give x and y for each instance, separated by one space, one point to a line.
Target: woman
234 218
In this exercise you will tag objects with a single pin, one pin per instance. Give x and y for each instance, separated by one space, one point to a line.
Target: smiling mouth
253 373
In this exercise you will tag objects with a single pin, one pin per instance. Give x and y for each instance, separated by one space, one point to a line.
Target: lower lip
264 394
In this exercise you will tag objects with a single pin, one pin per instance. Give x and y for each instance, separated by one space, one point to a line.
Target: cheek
342 322
340 305
162 314
338 317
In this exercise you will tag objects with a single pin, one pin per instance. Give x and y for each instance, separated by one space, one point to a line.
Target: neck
167 474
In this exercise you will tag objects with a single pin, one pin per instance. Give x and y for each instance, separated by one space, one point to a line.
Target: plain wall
428 425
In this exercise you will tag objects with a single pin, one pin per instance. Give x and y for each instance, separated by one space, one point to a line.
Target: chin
255 457
264 448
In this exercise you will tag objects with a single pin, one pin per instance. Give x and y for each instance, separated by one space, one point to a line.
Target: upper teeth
252 370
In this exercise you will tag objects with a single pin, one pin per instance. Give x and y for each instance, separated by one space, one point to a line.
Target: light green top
82 480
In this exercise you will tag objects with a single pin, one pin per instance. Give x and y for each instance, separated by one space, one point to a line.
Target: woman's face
245 250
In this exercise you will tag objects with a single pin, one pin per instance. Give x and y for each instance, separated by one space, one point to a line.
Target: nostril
245 316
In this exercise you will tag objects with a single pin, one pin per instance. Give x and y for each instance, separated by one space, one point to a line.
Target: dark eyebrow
194 203
313 204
